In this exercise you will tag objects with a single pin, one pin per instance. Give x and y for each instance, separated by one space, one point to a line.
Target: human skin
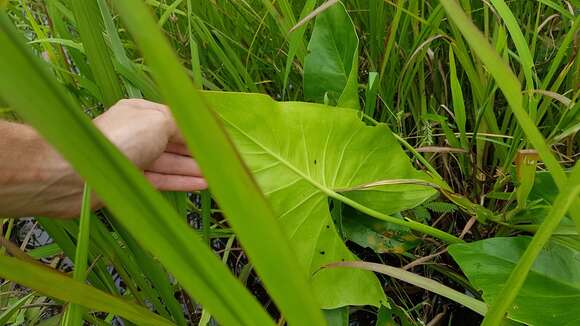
36 181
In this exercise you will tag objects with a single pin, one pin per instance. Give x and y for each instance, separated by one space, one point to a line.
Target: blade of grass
525 55
417 280
57 285
89 24
458 106
234 189
73 314
14 308
193 48
30 89
116 46
516 280
295 41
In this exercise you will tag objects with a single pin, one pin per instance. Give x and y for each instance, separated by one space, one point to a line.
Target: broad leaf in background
550 293
331 66
298 153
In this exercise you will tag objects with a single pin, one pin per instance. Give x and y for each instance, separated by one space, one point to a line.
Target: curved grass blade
29 88
417 280
57 285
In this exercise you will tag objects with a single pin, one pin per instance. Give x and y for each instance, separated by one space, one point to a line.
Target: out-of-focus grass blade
511 88
59 286
558 8
73 314
89 25
31 90
516 280
234 189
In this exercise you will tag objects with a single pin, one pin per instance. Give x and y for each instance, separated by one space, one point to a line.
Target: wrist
32 174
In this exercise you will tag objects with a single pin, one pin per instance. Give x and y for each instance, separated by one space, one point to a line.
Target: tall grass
464 86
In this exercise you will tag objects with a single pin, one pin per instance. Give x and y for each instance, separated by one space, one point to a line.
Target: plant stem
442 235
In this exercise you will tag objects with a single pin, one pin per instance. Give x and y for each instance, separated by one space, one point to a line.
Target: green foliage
62 287
464 86
331 66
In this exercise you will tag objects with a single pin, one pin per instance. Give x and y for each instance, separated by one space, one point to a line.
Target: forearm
29 167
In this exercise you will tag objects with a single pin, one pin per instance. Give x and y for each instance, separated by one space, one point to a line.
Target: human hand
40 182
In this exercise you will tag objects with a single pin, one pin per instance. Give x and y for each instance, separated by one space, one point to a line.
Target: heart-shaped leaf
331 66
551 291
301 152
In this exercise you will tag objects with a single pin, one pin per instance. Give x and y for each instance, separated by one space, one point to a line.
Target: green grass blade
90 27
519 40
29 88
73 314
14 308
234 189
458 102
114 41
57 285
295 41
420 281
563 202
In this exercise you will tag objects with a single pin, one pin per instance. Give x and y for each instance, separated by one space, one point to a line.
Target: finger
169 163
166 182
177 148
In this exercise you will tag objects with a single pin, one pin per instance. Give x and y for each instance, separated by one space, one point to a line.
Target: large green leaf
551 291
299 154
331 66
